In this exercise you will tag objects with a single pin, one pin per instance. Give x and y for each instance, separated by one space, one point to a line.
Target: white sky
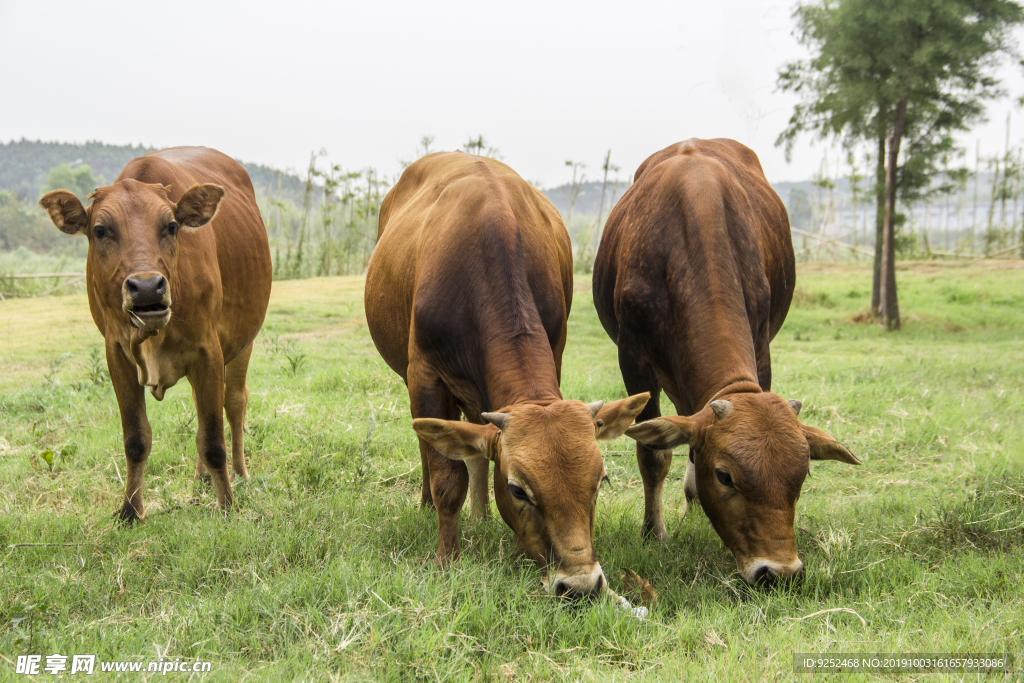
542 81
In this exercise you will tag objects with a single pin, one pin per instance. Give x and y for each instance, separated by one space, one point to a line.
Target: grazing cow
467 296
175 299
693 279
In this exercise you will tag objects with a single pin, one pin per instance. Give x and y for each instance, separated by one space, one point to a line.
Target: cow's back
229 258
463 244
699 229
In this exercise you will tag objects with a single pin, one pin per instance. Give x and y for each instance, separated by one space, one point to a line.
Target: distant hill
590 194
24 165
588 198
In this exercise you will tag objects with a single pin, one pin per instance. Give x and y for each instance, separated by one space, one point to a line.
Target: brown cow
693 279
467 296
174 299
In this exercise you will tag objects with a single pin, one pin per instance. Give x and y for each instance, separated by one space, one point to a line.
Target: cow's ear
612 419
66 211
198 205
663 433
458 440
824 447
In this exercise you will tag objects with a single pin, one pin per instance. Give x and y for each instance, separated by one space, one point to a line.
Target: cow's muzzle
767 574
583 583
146 298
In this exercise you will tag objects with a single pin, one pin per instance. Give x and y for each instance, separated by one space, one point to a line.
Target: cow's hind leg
448 480
654 465
138 437
236 399
207 379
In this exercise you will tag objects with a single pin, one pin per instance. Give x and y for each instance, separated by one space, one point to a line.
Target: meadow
324 570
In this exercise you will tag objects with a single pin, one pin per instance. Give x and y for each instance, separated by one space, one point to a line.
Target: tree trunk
990 234
974 211
890 302
876 285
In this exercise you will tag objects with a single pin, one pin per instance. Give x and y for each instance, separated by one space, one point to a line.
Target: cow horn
721 408
595 408
499 420
795 405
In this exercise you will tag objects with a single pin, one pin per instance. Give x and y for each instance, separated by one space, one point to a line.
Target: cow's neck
521 369
728 367
718 354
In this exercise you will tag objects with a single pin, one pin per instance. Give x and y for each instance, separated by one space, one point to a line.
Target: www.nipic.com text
33 665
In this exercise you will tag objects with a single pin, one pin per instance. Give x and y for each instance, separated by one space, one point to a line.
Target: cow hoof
127 516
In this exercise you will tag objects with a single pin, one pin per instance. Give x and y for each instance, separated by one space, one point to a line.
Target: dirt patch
864 318
999 264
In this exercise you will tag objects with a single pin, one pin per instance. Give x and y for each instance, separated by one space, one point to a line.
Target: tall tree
78 180
904 75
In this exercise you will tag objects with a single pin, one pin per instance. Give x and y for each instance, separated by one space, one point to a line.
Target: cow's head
547 472
750 456
133 229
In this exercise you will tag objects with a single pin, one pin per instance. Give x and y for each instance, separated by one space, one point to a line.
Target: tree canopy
869 54
896 73
79 180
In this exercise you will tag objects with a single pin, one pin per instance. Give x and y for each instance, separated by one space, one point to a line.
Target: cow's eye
172 229
724 477
99 231
518 493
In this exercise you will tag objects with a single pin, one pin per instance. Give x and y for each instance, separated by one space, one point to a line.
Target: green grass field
324 570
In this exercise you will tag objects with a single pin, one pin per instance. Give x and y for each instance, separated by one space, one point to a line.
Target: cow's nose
579 586
767 575
764 576
146 291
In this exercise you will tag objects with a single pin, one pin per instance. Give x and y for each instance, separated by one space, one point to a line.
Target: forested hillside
24 165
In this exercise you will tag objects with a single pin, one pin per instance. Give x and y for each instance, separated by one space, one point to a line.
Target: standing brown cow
174 299
693 279
467 296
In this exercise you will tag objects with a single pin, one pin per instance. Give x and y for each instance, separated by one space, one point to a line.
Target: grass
323 572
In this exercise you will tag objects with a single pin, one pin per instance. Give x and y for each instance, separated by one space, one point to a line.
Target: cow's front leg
654 465
447 481
206 375
138 437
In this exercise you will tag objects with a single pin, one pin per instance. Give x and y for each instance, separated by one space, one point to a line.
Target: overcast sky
543 82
